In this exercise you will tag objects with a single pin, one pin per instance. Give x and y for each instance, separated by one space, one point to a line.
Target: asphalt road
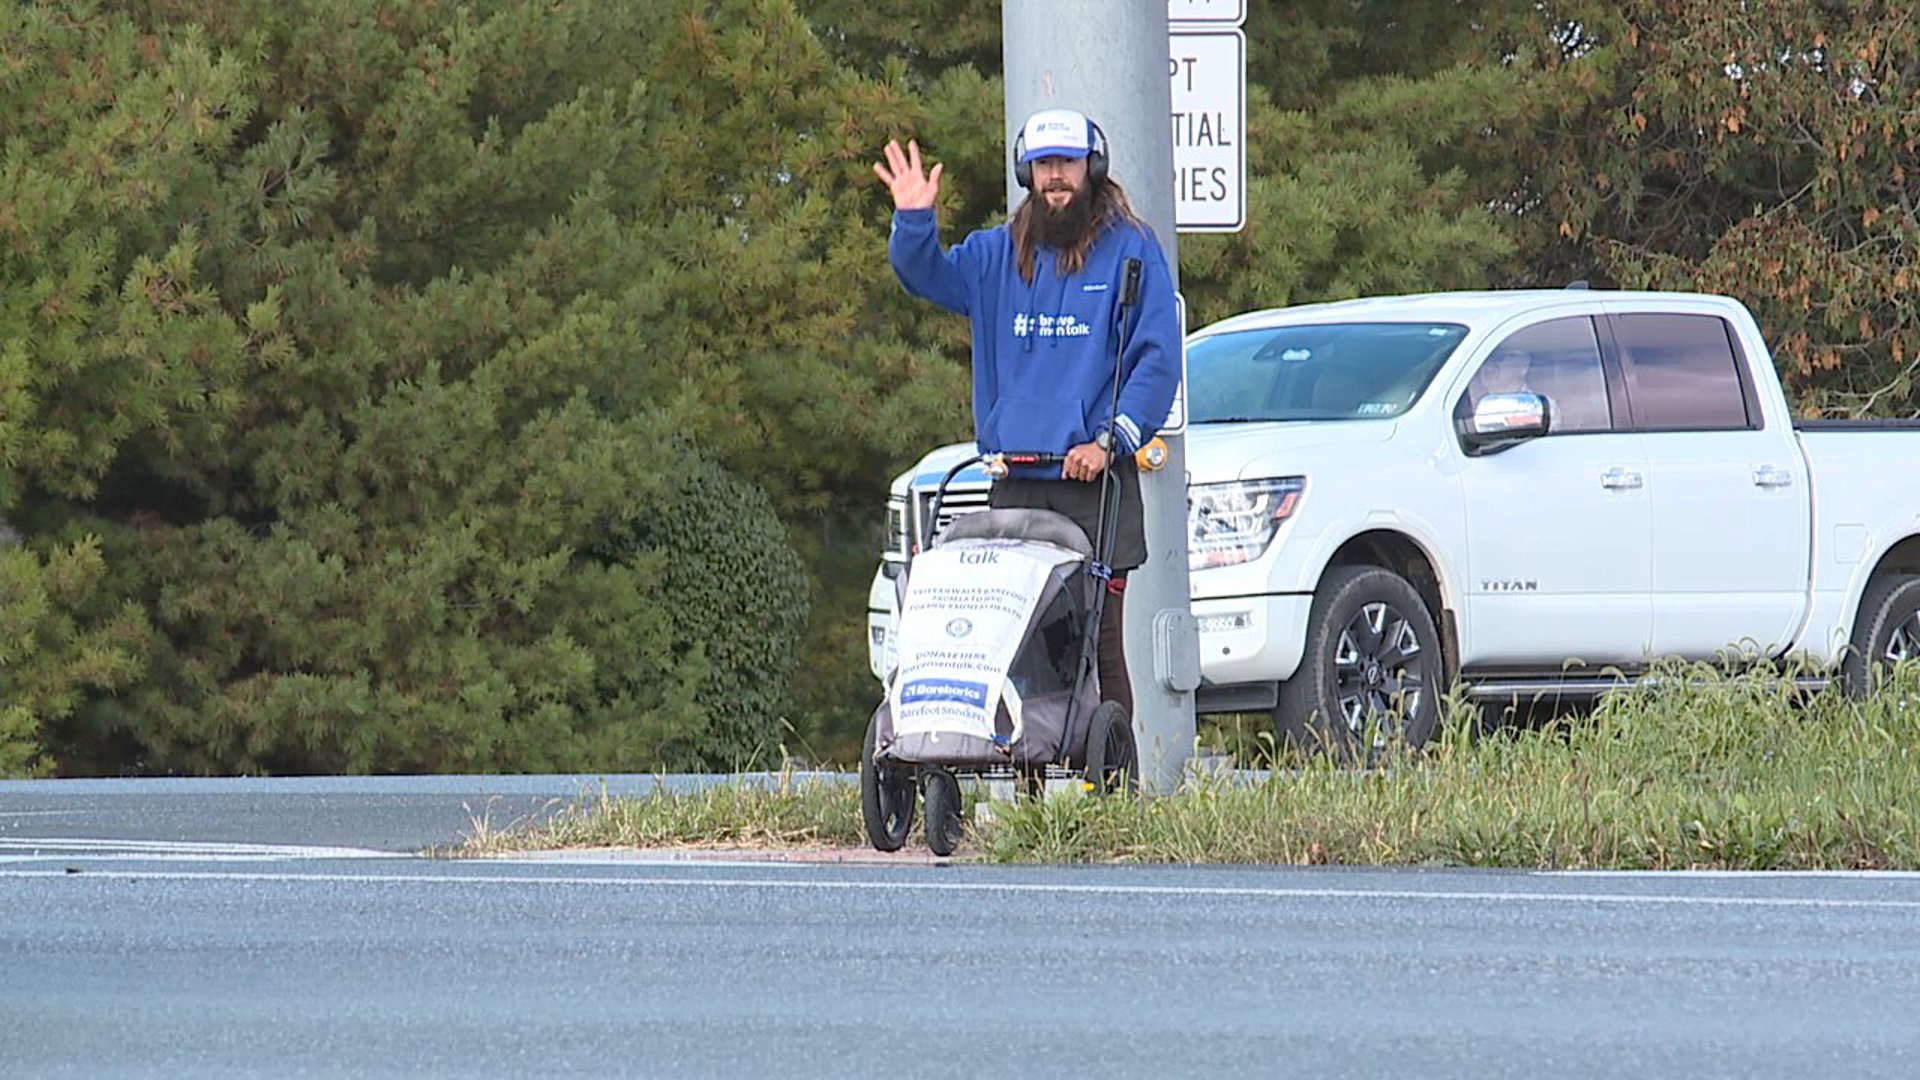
386 813
226 956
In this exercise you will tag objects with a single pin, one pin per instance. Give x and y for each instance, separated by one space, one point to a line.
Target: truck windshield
1337 371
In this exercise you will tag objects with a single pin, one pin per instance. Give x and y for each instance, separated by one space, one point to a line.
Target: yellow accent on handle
1152 456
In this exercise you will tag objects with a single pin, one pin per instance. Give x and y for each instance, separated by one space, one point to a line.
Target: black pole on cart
932 524
1103 541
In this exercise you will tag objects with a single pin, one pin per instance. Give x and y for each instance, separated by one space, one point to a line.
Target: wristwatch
1104 440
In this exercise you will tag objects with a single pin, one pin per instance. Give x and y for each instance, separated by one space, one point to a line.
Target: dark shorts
1081 502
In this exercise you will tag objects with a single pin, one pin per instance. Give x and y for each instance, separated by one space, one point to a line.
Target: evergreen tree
1766 151
360 334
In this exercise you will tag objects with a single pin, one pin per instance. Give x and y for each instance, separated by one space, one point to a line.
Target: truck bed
1856 425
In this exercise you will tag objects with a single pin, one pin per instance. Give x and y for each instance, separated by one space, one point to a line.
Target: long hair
1110 207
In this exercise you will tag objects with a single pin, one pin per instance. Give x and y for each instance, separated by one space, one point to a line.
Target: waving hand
912 188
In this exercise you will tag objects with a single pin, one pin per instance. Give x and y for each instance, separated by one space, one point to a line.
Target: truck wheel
1886 632
1371 672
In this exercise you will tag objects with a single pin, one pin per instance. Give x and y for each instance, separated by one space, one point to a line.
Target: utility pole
1108 59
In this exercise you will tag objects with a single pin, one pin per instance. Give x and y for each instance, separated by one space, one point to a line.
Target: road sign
1177 416
1219 12
1209 73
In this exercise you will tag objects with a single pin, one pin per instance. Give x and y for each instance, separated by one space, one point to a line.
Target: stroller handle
998 464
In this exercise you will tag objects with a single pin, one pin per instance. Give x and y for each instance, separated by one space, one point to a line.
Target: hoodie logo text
1046 326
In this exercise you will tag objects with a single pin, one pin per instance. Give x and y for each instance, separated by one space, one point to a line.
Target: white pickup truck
1527 492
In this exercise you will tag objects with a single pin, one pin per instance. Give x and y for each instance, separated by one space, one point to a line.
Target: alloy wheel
1377 669
1904 642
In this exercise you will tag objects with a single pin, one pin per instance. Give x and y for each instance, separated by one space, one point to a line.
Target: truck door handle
1621 479
1772 476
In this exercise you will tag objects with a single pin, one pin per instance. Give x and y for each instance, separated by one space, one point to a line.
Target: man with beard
1042 292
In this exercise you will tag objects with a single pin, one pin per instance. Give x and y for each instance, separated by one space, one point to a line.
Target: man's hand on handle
912 188
1084 462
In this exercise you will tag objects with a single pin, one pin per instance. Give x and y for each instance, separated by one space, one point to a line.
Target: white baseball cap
1056 133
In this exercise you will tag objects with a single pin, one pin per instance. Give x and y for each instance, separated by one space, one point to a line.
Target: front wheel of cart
943 811
886 796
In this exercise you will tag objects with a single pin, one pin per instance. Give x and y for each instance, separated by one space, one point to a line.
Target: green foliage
469 618
1767 151
929 36
356 333
736 598
107 333
55 646
1369 192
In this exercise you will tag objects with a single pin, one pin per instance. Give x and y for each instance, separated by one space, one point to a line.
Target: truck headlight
896 527
1234 523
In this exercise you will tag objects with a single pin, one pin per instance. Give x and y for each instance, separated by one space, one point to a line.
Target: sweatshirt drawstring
1059 305
1032 316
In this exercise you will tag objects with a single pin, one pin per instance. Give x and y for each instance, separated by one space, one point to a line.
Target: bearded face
1064 201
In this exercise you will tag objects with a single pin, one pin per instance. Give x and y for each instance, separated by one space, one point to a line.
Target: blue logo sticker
924 690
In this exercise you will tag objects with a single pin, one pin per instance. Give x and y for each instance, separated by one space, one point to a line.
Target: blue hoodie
1043 354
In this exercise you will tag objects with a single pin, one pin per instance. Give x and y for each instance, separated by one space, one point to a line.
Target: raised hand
901 172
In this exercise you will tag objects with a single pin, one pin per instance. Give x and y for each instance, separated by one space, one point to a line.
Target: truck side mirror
1501 421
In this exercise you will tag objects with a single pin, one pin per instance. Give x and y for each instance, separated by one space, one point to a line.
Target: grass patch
770 816
1695 770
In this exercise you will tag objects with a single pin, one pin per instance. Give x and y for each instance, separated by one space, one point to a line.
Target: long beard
1066 227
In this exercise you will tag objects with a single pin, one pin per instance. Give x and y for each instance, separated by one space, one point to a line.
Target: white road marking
1027 888
32 849
1750 875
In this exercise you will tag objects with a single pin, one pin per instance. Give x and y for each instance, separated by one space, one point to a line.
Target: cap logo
1057 133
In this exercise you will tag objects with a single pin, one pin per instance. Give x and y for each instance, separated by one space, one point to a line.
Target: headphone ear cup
1022 170
1097 157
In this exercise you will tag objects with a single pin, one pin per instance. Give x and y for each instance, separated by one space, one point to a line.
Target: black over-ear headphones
1096 158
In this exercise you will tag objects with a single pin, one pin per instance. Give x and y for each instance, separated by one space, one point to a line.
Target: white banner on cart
967 606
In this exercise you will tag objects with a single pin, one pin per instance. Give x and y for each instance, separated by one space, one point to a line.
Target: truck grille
961 499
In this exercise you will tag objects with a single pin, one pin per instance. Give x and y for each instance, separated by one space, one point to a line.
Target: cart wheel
886 796
1113 761
943 811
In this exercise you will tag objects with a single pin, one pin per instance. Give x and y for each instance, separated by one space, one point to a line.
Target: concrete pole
1109 60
